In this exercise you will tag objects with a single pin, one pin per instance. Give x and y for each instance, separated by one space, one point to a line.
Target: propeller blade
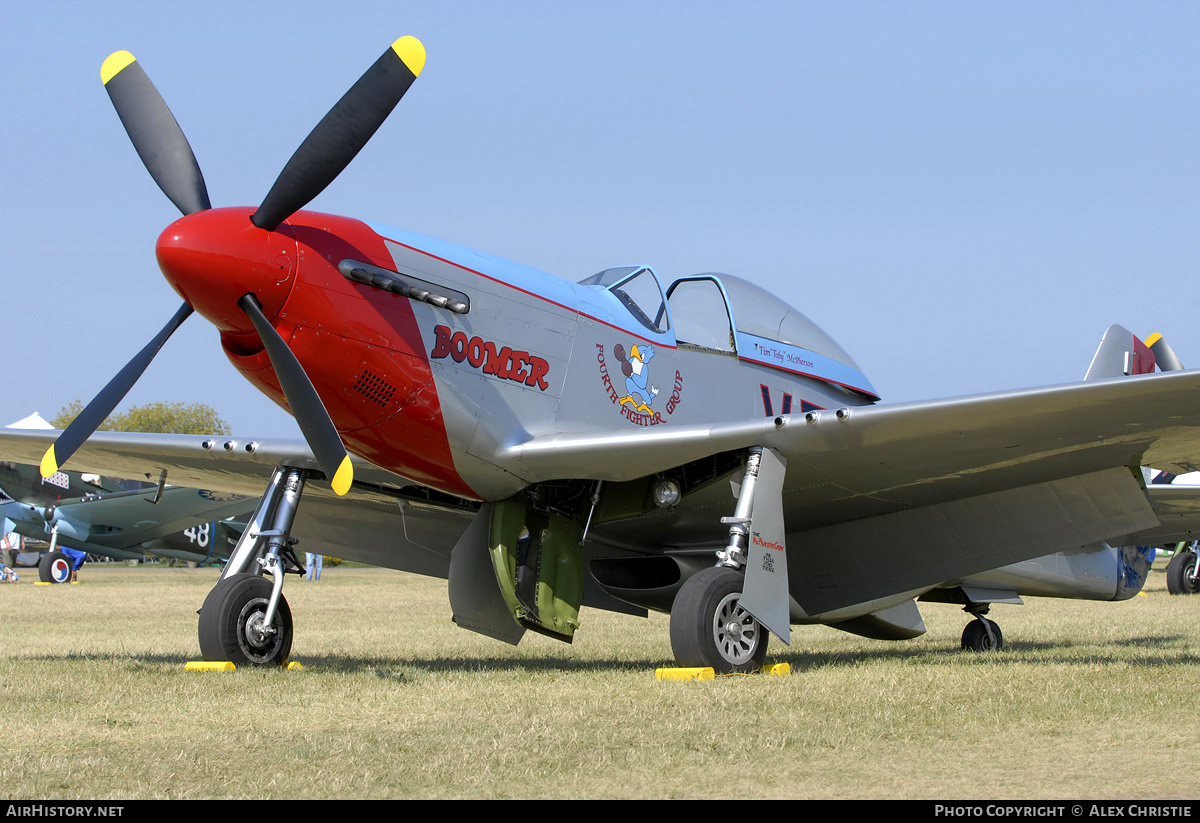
156 135
94 414
340 135
1164 355
306 404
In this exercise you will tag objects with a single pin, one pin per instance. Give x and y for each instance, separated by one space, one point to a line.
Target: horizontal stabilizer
1163 354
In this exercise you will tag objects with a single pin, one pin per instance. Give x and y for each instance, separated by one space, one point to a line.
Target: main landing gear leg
981 634
708 626
245 619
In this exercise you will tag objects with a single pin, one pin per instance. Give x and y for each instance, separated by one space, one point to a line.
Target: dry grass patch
396 701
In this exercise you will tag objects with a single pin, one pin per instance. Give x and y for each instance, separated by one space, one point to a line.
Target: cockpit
638 290
723 314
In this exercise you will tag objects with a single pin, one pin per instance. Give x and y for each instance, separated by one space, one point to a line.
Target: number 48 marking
198 534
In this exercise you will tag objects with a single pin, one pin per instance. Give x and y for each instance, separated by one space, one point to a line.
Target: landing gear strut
55 566
709 626
245 619
981 634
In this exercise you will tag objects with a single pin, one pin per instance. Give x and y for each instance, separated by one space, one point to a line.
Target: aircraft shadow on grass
400 668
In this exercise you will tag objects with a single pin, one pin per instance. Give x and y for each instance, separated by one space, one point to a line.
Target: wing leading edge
230 464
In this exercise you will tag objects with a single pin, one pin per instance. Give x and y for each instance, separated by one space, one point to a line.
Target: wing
1178 510
890 457
888 499
230 464
126 521
385 520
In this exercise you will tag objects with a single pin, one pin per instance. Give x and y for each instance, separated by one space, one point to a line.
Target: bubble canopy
769 331
758 312
724 313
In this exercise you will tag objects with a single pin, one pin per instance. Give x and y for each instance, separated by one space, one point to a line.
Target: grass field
1089 700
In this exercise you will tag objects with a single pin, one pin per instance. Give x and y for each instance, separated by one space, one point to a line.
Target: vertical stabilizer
1120 354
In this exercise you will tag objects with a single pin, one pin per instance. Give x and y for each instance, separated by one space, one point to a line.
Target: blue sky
964 195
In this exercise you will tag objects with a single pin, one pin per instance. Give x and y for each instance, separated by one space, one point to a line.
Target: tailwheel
232 623
1181 574
982 635
709 628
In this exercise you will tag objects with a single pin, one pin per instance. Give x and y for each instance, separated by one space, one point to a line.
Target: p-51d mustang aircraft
545 444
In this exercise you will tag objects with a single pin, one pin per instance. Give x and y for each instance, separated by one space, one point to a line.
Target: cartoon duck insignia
637 376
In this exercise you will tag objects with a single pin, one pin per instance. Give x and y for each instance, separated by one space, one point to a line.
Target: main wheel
1179 574
232 627
975 637
54 567
710 628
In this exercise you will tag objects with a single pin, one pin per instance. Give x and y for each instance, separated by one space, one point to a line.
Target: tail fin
1120 354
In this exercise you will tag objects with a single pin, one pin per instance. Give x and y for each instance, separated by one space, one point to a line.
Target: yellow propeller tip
412 52
114 63
1152 339
343 477
49 463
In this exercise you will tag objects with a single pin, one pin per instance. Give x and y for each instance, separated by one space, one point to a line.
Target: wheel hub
257 639
256 631
735 630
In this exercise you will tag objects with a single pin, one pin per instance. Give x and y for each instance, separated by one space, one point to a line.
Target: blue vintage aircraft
692 445
121 519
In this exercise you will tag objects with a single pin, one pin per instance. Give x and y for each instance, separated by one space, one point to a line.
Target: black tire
50 570
1179 572
975 637
709 628
228 618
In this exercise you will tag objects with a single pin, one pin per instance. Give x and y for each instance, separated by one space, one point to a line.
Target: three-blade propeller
322 156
